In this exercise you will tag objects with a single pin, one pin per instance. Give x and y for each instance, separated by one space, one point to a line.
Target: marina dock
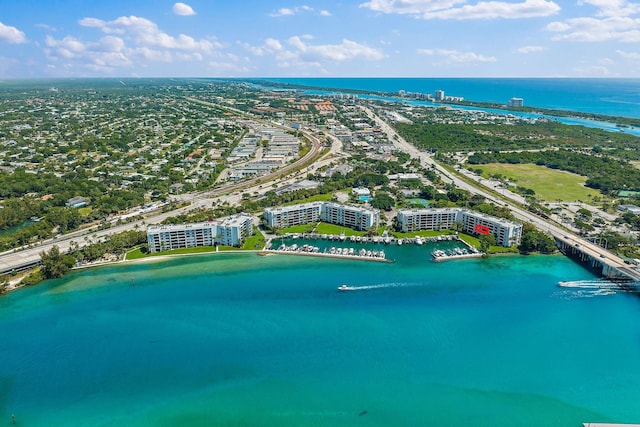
333 252
325 255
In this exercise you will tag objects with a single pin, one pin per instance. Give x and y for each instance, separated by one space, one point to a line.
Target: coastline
17 283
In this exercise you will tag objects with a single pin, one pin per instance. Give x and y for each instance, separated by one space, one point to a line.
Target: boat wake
593 288
382 286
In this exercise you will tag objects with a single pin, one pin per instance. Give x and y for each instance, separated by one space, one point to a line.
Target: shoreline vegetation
619 121
368 173
138 255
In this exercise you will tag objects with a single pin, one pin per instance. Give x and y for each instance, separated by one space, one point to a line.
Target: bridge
610 265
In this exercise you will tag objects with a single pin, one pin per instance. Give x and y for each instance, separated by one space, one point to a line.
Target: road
519 213
17 260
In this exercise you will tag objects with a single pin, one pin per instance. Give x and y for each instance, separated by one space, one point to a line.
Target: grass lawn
473 241
254 242
85 211
302 228
549 184
136 254
324 228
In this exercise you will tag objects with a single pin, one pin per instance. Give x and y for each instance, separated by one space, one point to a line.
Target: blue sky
365 38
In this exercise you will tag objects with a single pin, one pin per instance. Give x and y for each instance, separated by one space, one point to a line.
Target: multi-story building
507 233
516 102
287 216
427 219
356 217
230 231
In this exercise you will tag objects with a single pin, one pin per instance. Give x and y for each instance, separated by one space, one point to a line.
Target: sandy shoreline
16 283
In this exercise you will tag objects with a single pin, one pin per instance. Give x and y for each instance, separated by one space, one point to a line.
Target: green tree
55 263
382 201
486 241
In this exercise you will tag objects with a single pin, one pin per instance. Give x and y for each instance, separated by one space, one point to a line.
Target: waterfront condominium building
359 218
507 233
287 216
230 231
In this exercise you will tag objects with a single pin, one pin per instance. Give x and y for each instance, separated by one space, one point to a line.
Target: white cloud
283 12
105 55
273 44
412 7
297 53
348 49
183 9
451 55
129 42
592 71
530 49
11 34
623 29
288 11
448 9
629 55
613 20
613 7
146 33
498 9
46 27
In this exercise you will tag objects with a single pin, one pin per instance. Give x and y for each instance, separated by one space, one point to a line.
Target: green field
336 230
549 184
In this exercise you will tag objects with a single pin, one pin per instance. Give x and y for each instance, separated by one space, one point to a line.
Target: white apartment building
516 102
230 231
507 233
287 216
356 217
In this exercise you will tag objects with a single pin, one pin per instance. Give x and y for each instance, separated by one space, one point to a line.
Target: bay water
240 339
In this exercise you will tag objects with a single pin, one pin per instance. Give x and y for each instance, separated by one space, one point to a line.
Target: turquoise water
614 97
240 339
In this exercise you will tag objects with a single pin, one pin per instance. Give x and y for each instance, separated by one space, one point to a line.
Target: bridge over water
610 265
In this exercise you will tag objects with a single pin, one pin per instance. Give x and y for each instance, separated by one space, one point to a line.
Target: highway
16 260
20 259
585 246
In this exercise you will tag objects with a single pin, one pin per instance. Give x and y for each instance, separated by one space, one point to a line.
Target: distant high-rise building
438 95
516 102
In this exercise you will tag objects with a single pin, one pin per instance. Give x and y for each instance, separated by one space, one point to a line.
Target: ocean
236 339
613 97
